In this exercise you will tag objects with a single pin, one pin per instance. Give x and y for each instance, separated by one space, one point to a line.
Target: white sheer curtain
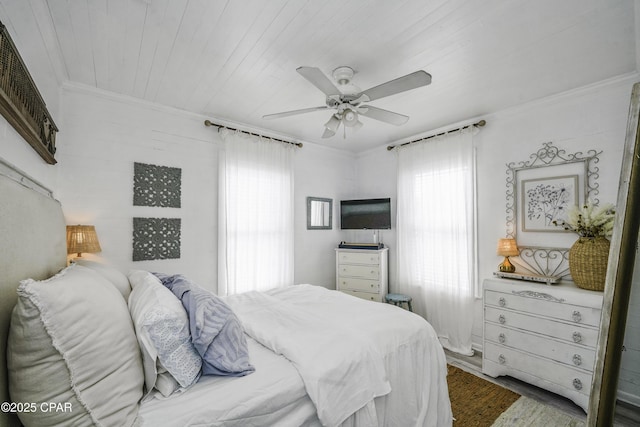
436 234
255 209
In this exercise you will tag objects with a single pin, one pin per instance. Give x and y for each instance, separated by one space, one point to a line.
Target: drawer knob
502 319
502 338
502 302
502 359
577 384
577 360
577 317
577 337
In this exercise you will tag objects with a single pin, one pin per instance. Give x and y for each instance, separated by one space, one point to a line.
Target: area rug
527 412
476 402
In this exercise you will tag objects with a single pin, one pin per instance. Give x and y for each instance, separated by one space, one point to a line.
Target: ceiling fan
347 99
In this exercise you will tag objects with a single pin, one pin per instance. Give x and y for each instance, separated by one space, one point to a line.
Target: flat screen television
365 214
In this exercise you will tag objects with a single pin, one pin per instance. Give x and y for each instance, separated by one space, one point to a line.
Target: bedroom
572 88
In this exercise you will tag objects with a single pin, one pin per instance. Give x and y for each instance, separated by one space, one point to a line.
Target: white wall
328 173
105 134
594 117
17 152
377 178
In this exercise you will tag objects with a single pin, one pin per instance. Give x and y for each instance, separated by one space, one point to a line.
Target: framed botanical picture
545 200
546 193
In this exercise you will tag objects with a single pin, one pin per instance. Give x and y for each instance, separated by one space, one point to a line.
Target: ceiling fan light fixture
328 133
332 124
347 98
350 118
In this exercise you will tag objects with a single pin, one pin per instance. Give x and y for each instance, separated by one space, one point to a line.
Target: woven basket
588 262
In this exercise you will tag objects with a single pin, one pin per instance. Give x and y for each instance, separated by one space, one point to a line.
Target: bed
77 353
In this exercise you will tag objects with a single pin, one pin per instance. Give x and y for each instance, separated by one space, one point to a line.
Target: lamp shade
333 124
507 247
350 118
82 238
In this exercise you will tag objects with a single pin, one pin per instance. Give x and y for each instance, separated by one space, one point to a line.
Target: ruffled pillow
113 275
71 341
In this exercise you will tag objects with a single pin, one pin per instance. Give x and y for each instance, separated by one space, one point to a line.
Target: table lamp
507 248
82 238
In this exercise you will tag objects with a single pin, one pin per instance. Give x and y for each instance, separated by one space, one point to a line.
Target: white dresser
544 335
363 272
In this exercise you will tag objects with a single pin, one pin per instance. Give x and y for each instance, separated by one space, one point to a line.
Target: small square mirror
319 213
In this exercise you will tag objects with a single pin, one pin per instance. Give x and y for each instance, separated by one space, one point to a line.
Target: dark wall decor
156 238
20 102
156 185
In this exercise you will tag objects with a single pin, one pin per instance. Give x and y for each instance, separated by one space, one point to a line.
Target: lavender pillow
216 332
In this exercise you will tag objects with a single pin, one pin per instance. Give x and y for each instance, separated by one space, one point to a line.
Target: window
256 214
436 234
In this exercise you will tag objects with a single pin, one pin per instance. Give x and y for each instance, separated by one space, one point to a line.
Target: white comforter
342 371
401 350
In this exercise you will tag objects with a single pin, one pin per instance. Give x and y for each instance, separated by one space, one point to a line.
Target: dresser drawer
363 295
543 303
513 361
572 355
362 285
583 335
358 258
361 271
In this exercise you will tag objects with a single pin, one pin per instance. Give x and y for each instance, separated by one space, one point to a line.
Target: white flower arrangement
590 220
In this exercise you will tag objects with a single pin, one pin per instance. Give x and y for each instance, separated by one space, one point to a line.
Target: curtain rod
210 123
478 124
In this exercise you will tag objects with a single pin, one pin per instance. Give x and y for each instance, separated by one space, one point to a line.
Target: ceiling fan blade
384 115
293 112
401 84
319 80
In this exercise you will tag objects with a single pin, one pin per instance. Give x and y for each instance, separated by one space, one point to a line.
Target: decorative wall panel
21 103
156 185
156 238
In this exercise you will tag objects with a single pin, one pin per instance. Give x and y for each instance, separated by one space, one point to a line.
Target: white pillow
71 341
116 277
162 327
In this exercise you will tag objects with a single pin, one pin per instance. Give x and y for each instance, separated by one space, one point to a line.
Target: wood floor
626 416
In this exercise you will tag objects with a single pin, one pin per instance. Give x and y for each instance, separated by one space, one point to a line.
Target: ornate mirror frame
547 261
622 257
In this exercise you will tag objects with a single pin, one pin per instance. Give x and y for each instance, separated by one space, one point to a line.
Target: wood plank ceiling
235 60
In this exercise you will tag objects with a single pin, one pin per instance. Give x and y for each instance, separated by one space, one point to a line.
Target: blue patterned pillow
216 332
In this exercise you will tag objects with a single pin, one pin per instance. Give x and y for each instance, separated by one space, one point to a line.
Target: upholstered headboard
32 244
